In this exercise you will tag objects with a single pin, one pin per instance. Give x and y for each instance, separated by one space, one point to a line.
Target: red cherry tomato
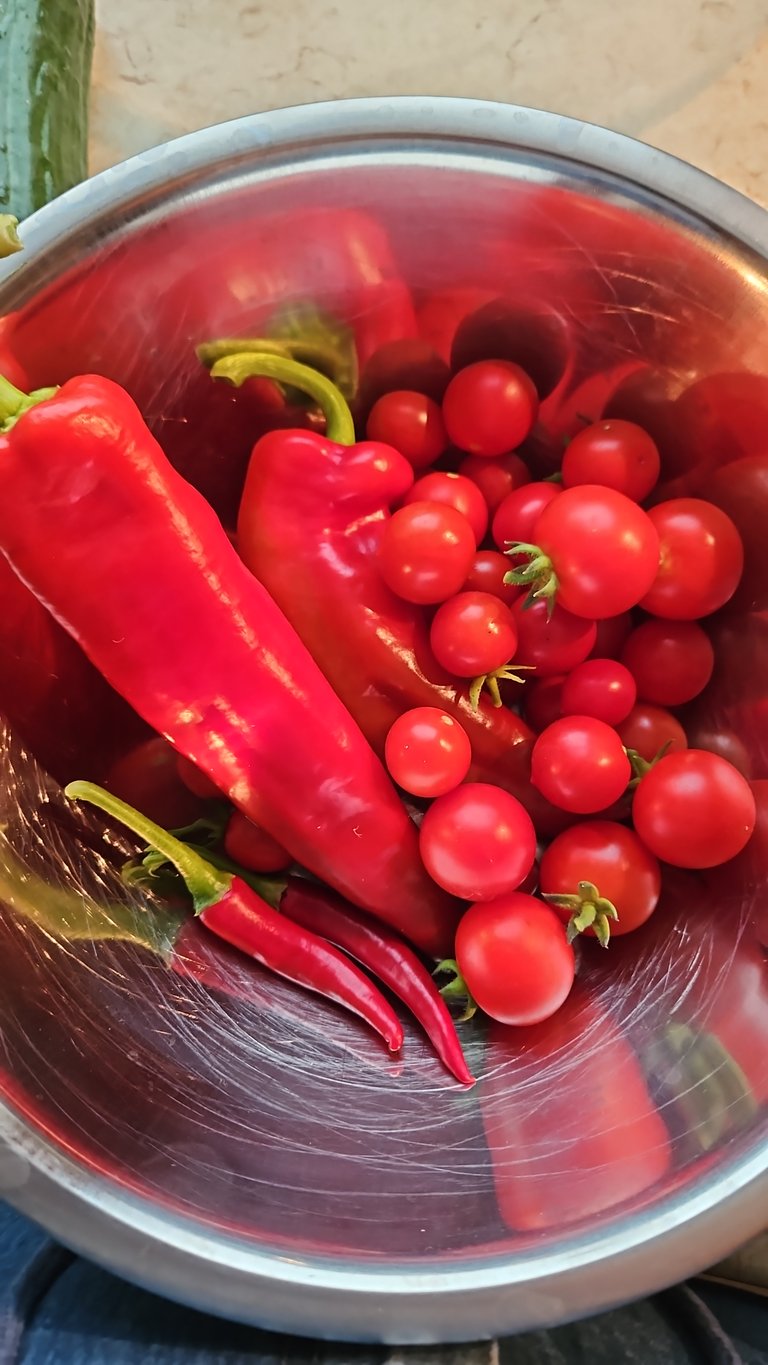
614 454
579 764
613 859
477 842
489 407
671 661
496 478
542 702
701 560
147 777
513 955
452 490
473 633
197 781
412 423
604 550
487 574
550 644
611 635
250 846
517 516
425 552
602 688
693 809
427 752
648 729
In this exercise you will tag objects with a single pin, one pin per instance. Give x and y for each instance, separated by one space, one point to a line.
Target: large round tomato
495 478
619 867
550 643
693 809
426 551
477 842
473 633
517 515
649 729
427 752
603 550
602 688
412 423
701 559
489 407
454 490
579 764
514 957
615 454
670 661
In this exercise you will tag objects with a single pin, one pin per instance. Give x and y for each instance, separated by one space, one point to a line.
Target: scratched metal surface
268 1141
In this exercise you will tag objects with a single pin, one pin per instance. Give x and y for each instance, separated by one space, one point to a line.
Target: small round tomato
497 477
516 517
147 777
602 688
251 846
477 842
514 957
425 552
671 661
615 454
603 550
579 764
693 809
542 702
701 560
649 729
489 407
611 635
427 752
473 633
489 569
197 781
618 865
452 490
550 644
412 423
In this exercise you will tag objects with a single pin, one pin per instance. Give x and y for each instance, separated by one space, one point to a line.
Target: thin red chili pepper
136 566
231 909
384 954
309 528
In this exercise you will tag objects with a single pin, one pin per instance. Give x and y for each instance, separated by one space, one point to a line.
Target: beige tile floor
688 75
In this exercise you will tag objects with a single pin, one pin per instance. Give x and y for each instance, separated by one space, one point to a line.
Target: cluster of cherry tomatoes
571 601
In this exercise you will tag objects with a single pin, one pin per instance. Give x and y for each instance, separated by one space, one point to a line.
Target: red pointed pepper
136 566
232 910
309 528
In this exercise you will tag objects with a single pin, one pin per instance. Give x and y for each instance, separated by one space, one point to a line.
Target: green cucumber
46 47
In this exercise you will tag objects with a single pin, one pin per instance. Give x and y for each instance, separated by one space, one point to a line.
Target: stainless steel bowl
262 1160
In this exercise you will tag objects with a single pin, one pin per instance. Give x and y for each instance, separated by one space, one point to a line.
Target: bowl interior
276 1120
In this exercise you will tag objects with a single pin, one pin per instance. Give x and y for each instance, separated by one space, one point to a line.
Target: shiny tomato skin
517 516
701 560
453 490
249 845
477 842
425 552
617 863
473 633
579 764
647 729
513 955
427 752
552 642
615 454
412 423
602 688
496 477
487 574
604 550
694 809
490 407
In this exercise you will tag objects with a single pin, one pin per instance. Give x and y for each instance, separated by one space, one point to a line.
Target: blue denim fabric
56 1309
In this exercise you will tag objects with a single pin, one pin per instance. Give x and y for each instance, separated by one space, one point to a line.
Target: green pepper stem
10 240
205 883
15 402
339 424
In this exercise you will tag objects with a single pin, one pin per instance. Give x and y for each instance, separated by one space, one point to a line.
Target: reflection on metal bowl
254 1152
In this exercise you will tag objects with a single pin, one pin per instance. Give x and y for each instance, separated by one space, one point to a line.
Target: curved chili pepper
232 910
309 528
136 566
384 954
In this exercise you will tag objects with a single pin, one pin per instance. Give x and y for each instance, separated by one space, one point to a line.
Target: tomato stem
492 680
456 989
538 575
589 910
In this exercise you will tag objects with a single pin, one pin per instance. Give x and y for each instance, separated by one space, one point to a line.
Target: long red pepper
232 910
136 566
384 954
309 526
